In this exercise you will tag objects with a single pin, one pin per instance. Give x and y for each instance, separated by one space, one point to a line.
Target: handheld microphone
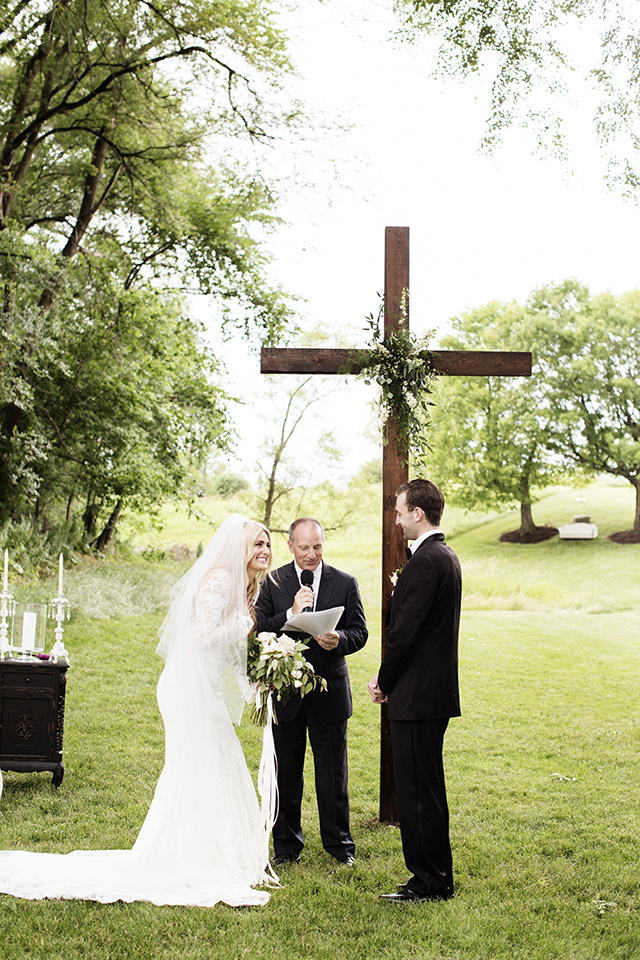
306 578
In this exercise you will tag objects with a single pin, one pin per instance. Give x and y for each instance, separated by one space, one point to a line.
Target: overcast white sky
482 228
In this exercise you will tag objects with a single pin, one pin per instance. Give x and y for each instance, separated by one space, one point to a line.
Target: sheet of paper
315 623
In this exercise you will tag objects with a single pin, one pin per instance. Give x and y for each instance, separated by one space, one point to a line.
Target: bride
203 840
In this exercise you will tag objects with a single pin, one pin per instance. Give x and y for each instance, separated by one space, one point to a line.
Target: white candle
29 631
6 571
60 566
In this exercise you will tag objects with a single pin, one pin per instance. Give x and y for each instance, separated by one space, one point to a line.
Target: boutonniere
396 573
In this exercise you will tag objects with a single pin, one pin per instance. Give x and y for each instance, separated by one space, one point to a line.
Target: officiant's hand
303 599
328 640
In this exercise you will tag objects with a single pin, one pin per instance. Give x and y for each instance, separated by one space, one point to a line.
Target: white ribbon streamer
268 786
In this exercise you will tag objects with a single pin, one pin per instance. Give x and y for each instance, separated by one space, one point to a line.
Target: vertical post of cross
394 472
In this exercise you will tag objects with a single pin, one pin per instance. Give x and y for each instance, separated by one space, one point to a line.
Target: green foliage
32 552
371 471
116 429
524 47
591 365
579 413
491 446
227 484
109 215
402 366
104 130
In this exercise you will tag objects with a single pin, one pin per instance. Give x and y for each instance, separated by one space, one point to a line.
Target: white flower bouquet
276 665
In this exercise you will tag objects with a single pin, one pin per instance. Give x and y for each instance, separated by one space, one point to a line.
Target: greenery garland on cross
402 365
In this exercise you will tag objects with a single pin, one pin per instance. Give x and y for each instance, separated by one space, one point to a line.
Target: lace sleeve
216 624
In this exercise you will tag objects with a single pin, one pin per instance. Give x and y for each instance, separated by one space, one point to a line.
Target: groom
418 678
323 714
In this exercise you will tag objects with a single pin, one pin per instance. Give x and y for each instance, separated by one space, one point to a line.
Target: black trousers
422 804
329 746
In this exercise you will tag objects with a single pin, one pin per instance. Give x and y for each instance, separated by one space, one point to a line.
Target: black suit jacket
419 672
337 589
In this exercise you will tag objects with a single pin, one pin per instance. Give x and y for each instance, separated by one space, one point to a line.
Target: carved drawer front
26 728
29 678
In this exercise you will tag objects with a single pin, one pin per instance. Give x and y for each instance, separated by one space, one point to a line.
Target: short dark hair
296 524
426 495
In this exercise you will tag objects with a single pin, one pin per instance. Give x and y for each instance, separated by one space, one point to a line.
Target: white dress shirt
416 543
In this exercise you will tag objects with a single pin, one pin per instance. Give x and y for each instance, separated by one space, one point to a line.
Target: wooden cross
453 363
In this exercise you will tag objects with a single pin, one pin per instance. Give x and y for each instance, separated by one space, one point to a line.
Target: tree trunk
526 519
106 536
12 175
90 516
268 503
636 521
8 303
12 419
88 208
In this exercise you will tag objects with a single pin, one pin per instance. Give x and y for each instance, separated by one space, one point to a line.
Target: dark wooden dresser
32 716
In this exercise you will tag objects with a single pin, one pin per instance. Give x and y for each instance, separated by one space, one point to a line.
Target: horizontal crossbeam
452 363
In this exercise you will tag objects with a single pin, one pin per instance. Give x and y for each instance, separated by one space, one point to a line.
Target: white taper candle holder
58 606
6 609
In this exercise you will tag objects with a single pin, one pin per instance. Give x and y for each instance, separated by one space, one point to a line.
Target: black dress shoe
347 861
405 894
286 858
402 896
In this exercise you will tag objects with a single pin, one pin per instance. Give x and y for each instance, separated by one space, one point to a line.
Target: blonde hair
252 529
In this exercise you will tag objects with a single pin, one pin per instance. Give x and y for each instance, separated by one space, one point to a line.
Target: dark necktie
409 554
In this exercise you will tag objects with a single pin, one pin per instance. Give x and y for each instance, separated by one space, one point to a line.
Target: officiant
308 583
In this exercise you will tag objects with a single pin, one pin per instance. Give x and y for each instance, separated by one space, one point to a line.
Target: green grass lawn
542 768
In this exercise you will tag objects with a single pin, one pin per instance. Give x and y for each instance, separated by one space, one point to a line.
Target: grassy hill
594 576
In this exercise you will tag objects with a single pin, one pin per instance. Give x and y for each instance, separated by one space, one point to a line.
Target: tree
283 472
120 402
108 211
491 445
292 448
591 368
104 117
579 412
524 47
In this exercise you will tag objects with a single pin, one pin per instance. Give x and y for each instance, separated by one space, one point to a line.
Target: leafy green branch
402 366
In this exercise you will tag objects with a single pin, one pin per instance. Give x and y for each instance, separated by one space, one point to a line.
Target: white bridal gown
202 841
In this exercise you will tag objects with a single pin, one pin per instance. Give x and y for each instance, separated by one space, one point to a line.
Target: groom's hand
375 692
